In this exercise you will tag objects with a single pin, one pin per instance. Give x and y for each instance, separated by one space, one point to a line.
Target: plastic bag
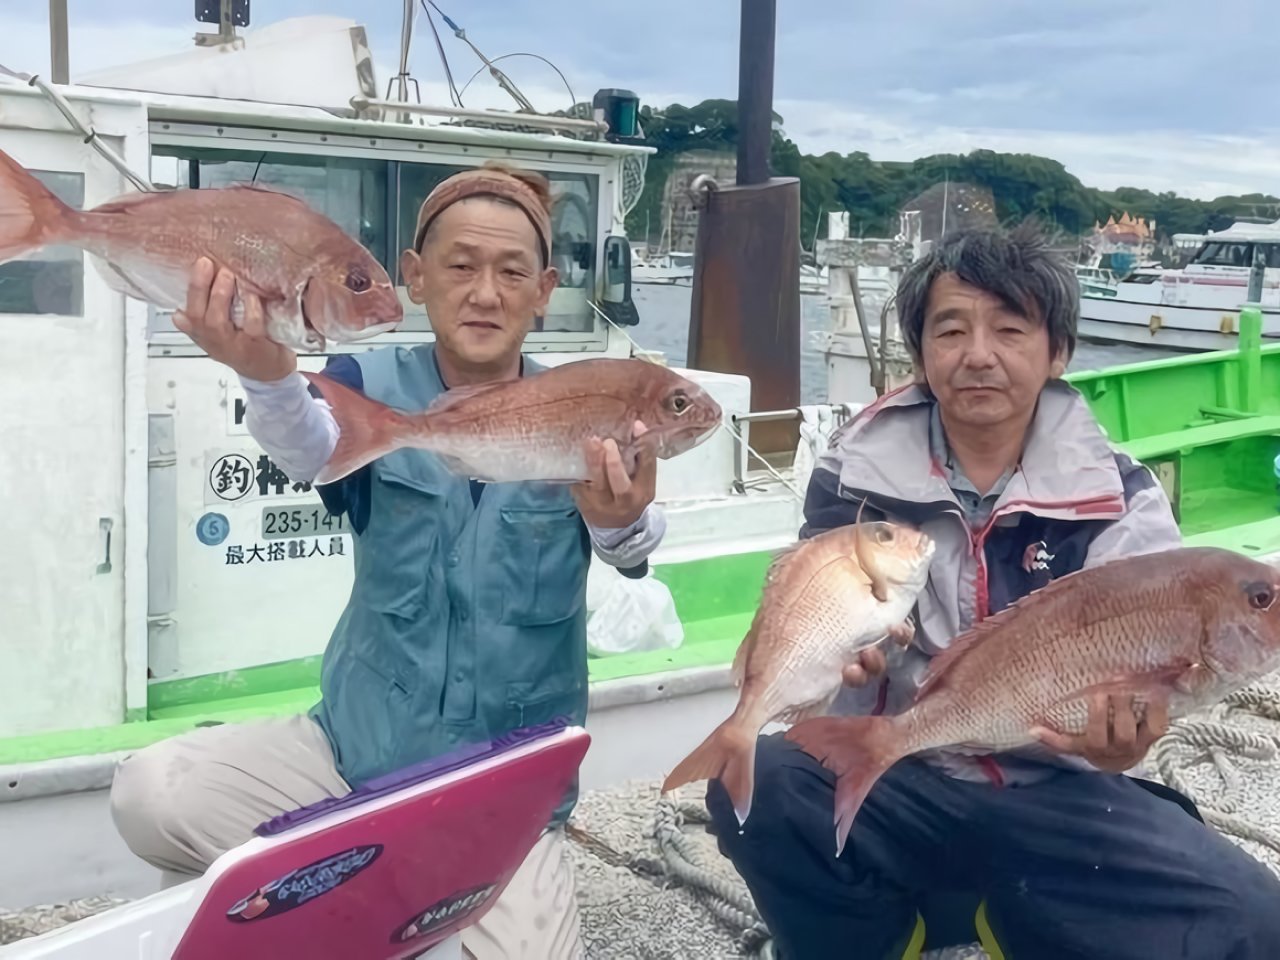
629 616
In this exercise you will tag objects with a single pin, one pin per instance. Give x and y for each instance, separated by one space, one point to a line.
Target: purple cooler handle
409 776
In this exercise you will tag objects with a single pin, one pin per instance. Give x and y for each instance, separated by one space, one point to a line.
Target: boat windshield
1217 253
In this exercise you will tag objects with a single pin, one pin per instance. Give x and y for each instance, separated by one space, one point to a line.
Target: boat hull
1175 327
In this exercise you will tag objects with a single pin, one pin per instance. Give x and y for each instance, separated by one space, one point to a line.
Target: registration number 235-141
278 523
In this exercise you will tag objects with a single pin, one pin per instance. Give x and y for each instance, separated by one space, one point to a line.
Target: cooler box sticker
301 886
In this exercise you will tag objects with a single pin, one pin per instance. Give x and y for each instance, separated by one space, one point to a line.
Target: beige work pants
181 803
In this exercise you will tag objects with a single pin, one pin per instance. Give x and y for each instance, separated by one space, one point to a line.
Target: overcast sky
1164 94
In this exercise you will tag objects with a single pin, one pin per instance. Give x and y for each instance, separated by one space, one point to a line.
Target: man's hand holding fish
206 319
454 464
610 496
1120 731
1059 625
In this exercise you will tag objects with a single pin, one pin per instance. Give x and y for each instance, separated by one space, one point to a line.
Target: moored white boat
1193 308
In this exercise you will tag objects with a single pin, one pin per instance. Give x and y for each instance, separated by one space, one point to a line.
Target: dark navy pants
1082 865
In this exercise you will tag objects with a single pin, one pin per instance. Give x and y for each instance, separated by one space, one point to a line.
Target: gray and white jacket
1074 501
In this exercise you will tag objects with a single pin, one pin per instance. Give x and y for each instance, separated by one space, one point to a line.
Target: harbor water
664 326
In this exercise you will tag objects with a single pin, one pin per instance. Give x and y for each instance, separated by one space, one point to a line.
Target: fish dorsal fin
788 554
261 188
739 670
777 567
125 203
782 560
456 395
943 662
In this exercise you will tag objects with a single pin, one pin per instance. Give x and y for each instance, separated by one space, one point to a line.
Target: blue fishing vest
466 619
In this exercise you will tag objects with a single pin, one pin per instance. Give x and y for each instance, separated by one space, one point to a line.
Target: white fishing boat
665 269
171 575
165 574
1193 308
675 267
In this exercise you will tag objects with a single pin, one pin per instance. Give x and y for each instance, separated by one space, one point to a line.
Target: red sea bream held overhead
530 428
825 599
1187 626
315 282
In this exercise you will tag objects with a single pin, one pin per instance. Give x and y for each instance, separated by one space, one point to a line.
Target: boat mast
59 55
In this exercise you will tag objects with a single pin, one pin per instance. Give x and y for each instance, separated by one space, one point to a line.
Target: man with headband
466 618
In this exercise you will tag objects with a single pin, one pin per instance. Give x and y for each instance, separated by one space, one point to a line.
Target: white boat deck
633 907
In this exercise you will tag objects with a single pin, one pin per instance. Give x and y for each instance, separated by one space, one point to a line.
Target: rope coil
1223 742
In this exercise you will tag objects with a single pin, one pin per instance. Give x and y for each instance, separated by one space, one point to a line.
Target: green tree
873 191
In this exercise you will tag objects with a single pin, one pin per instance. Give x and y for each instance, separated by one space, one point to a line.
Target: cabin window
1220 254
350 191
49 281
376 202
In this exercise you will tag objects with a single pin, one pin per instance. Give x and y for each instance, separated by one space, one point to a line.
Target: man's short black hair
1017 266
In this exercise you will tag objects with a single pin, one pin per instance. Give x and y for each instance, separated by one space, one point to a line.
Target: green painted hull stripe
1208 421
715 598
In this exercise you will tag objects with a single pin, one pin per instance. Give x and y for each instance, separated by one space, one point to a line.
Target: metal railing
742 451
365 106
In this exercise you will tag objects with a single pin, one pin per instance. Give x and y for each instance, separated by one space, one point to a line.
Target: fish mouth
672 442
366 332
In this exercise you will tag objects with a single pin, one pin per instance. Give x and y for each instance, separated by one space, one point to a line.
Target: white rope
1218 737
726 900
89 134
1223 742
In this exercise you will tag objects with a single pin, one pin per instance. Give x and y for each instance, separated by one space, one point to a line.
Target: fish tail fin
728 755
858 750
30 215
367 429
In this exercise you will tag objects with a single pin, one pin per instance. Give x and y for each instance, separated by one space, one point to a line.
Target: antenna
59 58
503 80
227 14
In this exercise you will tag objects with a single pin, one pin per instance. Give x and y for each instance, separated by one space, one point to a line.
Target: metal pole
755 90
227 25
59 57
406 34
1256 273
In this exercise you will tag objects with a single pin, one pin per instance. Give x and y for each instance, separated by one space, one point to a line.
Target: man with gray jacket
1004 465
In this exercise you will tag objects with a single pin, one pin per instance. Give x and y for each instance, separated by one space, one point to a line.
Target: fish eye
884 534
680 404
357 280
1261 595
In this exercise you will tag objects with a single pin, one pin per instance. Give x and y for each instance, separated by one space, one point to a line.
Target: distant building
1119 245
947 206
1126 232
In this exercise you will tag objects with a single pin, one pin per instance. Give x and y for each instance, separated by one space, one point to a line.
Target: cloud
1194 165
1122 95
